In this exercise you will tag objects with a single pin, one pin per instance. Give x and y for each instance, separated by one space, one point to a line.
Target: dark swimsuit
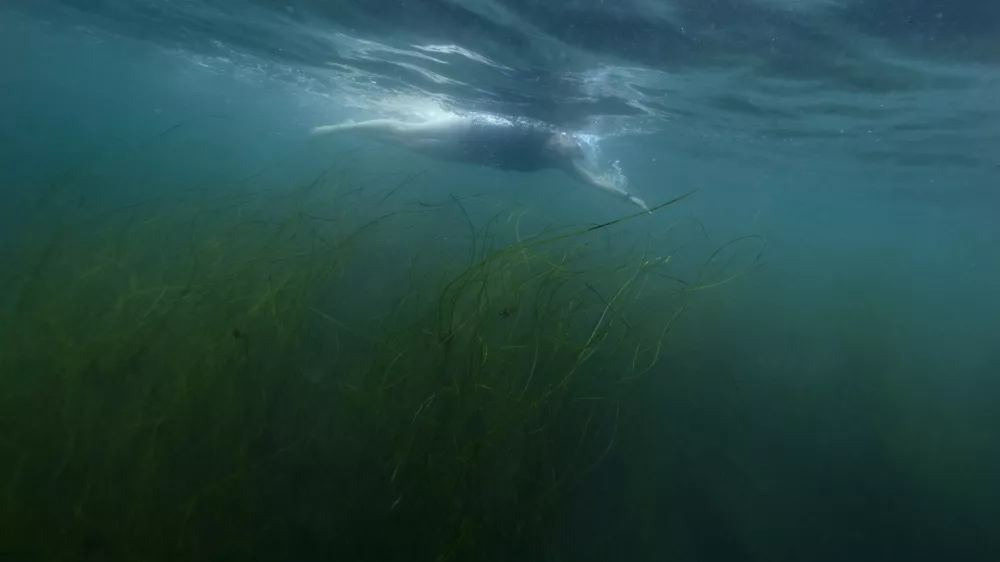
516 146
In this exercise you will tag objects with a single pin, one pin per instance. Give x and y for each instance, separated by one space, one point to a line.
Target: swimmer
508 145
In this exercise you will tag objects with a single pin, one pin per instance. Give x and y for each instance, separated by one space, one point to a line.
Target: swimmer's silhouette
500 143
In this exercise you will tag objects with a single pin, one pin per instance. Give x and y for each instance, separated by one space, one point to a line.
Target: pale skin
439 137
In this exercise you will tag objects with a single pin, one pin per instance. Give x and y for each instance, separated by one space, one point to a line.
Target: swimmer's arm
577 171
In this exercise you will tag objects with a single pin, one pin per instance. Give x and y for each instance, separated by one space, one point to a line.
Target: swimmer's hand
577 171
636 201
632 198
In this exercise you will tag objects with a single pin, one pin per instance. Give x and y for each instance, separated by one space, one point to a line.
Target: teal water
841 402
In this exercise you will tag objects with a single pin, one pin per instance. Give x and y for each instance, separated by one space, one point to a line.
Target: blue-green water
842 402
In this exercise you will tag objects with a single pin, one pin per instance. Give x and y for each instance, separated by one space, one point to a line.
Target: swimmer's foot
332 129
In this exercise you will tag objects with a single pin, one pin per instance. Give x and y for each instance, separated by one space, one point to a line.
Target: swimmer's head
565 145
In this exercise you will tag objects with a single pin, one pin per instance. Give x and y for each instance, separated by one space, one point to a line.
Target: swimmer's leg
390 129
383 126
